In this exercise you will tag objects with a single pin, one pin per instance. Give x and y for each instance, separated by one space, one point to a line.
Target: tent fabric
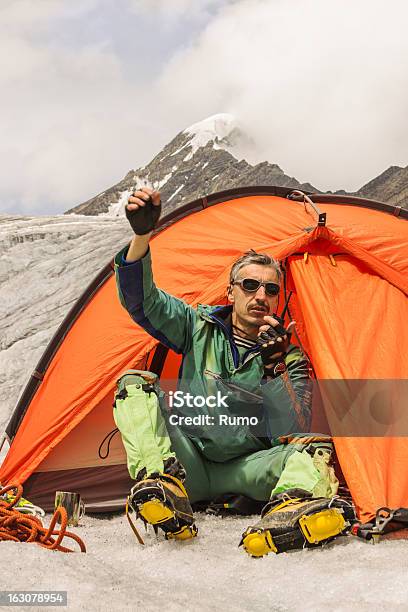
350 287
367 345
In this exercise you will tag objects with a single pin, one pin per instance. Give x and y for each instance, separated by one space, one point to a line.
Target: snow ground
210 572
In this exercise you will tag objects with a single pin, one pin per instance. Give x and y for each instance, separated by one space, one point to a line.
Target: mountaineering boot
295 520
161 500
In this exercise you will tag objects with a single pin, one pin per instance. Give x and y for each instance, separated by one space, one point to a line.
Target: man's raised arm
143 211
165 317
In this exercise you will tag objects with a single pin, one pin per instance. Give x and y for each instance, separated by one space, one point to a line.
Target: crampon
295 520
161 500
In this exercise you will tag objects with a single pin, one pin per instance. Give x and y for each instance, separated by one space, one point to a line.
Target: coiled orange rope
19 527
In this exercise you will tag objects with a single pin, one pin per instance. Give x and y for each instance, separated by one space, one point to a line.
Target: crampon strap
132 525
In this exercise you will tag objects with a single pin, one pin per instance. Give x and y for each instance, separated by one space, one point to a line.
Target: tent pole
3 440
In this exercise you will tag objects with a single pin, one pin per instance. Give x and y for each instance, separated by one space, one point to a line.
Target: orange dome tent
346 262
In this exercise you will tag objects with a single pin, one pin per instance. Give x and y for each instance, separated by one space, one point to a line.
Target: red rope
18 527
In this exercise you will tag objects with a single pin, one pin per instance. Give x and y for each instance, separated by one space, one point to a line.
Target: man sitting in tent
241 356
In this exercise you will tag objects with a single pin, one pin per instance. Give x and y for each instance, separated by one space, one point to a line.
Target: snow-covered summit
222 130
216 128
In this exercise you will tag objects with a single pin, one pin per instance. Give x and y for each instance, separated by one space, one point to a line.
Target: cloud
321 86
77 105
68 112
176 8
90 91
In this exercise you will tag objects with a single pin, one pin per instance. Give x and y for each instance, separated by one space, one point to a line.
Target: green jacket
213 363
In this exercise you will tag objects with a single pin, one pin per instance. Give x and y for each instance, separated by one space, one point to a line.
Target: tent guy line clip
322 217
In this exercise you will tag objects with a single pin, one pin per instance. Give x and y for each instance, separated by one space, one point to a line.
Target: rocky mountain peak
211 155
206 157
390 186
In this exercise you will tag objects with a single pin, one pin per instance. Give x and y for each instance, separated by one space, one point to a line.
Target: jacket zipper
234 350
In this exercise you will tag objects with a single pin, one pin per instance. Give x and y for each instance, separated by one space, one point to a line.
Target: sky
90 89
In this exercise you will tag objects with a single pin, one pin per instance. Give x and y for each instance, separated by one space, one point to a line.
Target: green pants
253 475
149 440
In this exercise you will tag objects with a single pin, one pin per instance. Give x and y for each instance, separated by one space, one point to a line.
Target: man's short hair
252 257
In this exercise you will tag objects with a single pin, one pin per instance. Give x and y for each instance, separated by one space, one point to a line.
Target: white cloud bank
174 9
320 86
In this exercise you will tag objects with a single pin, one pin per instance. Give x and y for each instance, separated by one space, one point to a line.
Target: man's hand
274 340
143 210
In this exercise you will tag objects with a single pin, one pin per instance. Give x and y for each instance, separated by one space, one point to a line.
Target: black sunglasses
252 285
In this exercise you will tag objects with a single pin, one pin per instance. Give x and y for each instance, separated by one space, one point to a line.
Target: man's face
250 308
